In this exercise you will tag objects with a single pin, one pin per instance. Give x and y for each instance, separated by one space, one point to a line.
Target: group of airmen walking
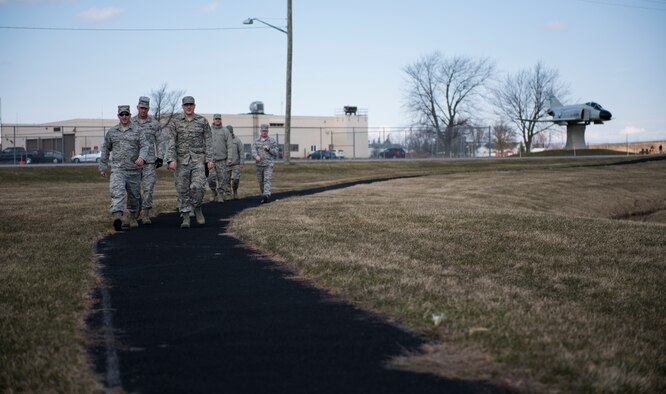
196 152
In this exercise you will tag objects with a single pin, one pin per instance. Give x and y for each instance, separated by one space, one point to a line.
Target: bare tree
441 91
165 104
503 137
422 95
420 141
523 99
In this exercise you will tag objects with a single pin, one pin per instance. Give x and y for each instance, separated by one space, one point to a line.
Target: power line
128 29
627 5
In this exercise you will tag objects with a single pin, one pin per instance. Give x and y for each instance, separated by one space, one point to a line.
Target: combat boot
131 219
214 197
145 216
218 198
235 188
186 220
118 221
199 216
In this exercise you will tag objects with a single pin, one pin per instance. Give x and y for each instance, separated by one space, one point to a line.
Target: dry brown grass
51 217
631 147
537 285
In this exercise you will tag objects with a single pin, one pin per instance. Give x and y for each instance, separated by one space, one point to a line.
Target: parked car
321 155
339 153
13 153
92 157
44 156
392 153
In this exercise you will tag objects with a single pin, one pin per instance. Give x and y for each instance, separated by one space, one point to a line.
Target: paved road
194 311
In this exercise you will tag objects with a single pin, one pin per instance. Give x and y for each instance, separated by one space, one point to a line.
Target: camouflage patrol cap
230 128
123 108
144 102
217 116
264 126
188 100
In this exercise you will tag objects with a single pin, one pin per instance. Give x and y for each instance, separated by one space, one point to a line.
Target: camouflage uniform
190 146
212 181
153 131
237 158
221 150
127 146
265 164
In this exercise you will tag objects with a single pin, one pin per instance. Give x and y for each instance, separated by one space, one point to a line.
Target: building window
277 124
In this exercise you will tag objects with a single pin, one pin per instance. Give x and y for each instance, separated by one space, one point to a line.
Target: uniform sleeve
160 144
230 144
254 149
241 154
171 144
106 150
273 150
144 146
208 141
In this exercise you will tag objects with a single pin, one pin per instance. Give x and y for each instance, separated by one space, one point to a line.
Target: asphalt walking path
195 311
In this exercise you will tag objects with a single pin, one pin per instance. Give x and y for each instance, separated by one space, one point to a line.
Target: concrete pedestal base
575 137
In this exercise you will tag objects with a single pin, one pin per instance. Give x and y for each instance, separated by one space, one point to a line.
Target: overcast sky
345 53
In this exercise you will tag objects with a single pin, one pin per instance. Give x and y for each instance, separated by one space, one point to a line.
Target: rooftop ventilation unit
257 107
350 110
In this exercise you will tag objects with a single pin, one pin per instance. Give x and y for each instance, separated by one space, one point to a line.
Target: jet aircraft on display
575 117
577 113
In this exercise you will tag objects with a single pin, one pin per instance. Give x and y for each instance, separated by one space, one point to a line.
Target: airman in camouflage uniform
221 153
189 151
129 145
153 130
237 157
264 150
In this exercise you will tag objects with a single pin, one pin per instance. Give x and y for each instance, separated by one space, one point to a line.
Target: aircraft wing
557 120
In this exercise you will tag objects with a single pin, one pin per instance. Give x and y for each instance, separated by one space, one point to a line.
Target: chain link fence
349 142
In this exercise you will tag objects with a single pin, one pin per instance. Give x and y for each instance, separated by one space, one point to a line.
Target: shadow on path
186 311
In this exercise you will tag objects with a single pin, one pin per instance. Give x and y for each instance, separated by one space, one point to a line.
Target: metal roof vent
257 107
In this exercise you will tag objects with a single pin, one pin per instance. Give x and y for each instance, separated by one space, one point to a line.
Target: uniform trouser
190 185
221 176
233 171
125 185
179 203
148 180
212 179
265 179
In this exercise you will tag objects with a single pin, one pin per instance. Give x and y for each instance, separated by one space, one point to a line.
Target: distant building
345 130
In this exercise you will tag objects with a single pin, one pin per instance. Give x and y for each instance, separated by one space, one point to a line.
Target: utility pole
287 121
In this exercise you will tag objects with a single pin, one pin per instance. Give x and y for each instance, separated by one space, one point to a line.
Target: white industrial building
347 129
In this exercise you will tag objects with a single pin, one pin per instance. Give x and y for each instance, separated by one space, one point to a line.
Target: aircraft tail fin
553 102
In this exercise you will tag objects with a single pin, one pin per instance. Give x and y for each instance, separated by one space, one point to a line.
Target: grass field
530 269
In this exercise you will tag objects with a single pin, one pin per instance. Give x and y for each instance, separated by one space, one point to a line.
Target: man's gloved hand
158 162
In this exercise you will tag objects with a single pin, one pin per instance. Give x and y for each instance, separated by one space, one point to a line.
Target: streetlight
287 122
249 21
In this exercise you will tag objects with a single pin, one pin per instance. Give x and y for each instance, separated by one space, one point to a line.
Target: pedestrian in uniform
264 150
236 156
129 145
221 153
188 153
153 131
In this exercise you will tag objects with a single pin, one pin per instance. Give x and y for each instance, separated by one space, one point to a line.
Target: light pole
287 115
